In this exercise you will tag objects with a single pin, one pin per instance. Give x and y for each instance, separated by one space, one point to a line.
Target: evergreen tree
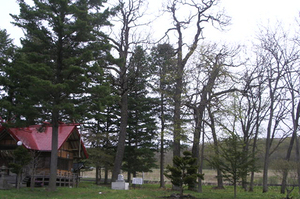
163 61
7 52
102 126
184 172
141 131
62 44
7 84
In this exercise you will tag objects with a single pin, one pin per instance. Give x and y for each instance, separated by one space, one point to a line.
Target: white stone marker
120 184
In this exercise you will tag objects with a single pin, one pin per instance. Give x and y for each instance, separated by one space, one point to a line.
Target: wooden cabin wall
65 159
7 142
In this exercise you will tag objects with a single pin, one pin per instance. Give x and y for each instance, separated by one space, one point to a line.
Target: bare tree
215 144
199 15
292 79
256 105
211 70
123 41
250 113
275 60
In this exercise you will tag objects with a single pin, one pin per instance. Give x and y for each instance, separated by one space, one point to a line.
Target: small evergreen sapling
21 159
184 172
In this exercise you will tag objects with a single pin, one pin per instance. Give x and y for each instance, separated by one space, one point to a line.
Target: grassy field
88 190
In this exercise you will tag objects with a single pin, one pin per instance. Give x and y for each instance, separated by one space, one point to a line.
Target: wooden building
37 139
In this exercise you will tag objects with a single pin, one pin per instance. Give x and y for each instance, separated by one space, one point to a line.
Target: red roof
39 137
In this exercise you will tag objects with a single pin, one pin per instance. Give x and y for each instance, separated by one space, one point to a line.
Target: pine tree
141 131
102 125
15 104
7 84
184 172
163 61
62 43
101 121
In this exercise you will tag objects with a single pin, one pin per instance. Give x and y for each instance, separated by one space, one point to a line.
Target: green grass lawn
88 190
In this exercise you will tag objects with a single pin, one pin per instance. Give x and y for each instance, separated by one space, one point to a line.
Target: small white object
137 180
120 178
19 143
120 185
100 192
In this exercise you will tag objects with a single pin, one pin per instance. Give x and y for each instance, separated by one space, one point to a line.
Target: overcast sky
246 15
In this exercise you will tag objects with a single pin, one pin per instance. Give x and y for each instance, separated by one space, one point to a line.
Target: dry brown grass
209 175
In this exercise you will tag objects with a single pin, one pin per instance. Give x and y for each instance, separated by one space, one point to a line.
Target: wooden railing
61 180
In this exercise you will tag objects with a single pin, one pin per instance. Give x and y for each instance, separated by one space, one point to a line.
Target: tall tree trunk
234 187
32 181
106 175
100 175
177 131
177 96
97 175
203 104
162 152
198 115
297 145
18 180
216 147
128 176
298 161
257 124
198 112
200 170
55 111
287 158
267 156
181 192
268 140
266 165
54 152
246 151
33 165
251 186
122 136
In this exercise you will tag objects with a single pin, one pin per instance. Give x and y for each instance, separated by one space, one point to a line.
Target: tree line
96 63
